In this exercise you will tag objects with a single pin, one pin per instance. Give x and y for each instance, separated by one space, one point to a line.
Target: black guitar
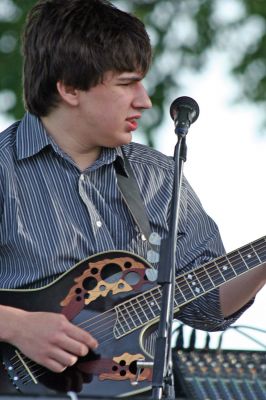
112 296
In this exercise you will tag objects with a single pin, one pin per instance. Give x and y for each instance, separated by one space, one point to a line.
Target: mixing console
221 375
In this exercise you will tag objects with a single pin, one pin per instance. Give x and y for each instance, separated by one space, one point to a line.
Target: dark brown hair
77 42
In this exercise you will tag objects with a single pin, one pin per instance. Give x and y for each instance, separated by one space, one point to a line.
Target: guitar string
186 286
34 367
234 257
103 338
230 257
107 330
141 308
139 305
39 371
31 364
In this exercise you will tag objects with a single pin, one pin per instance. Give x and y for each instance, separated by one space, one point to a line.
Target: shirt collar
32 138
120 163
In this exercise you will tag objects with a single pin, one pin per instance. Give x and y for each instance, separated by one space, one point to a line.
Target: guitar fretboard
137 312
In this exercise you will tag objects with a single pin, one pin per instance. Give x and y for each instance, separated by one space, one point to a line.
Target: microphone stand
163 381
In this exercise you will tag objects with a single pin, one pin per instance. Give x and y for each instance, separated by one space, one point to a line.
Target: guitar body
90 295
113 296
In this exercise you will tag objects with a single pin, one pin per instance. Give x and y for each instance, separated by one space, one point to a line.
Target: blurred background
215 52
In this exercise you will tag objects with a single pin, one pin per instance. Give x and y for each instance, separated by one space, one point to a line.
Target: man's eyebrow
130 78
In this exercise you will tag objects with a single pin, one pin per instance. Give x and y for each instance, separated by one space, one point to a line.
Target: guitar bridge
19 371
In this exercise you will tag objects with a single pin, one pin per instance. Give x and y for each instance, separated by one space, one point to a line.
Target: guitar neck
205 278
190 285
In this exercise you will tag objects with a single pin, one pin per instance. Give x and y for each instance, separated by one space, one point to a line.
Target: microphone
184 111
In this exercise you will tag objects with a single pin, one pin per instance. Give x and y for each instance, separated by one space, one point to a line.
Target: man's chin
125 139
121 140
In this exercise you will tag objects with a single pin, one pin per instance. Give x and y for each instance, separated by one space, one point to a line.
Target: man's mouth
132 121
133 124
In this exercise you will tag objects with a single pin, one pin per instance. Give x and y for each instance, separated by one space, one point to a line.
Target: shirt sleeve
197 244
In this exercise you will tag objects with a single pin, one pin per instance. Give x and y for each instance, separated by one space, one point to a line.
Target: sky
226 166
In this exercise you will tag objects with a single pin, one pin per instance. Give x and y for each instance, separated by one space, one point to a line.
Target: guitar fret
187 291
127 325
215 273
146 308
135 312
128 313
250 257
260 249
119 328
245 260
155 303
143 312
226 269
256 254
179 295
150 305
195 284
206 280
140 310
175 303
239 265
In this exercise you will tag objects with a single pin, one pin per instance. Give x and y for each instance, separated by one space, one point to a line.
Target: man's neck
69 138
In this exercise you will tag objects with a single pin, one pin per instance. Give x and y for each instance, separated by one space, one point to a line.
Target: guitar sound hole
94 271
133 368
127 264
111 273
89 283
132 278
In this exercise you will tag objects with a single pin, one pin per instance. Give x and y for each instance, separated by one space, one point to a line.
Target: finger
73 346
55 366
84 337
63 358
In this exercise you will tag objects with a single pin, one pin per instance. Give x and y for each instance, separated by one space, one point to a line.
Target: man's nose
142 100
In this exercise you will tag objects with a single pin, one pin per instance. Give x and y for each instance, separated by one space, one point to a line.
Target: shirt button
143 237
82 177
99 223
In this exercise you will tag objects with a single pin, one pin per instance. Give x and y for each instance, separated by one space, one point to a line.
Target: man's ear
68 94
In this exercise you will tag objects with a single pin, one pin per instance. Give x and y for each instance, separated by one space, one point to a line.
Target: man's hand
49 339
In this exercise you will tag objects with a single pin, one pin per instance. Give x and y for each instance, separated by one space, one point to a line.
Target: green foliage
182 32
12 17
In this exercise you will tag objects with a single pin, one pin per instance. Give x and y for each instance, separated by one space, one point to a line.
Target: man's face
110 111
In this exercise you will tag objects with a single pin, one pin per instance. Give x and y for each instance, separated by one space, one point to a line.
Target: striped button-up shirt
52 215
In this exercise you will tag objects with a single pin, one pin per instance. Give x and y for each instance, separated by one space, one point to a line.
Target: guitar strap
130 191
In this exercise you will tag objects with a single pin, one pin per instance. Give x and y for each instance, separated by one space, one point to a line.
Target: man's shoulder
8 137
142 154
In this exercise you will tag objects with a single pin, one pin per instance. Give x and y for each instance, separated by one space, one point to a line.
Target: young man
84 61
